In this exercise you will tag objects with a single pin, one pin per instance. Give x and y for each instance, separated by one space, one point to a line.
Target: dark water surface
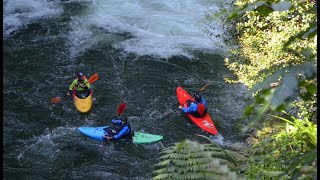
40 139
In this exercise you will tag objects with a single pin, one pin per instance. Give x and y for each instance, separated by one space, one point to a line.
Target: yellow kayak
83 104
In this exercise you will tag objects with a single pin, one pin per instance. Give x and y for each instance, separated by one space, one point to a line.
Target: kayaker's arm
124 131
191 108
86 84
73 84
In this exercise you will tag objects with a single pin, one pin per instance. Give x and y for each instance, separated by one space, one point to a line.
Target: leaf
264 10
307 53
306 96
243 9
312 88
265 84
281 6
233 15
259 99
307 159
310 32
248 110
288 90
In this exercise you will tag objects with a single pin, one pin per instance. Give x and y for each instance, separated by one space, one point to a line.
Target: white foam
218 138
19 13
161 28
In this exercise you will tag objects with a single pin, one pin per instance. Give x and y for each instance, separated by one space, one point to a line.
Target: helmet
197 97
124 118
80 75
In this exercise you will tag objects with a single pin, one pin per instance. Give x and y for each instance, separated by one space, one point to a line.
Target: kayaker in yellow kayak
81 85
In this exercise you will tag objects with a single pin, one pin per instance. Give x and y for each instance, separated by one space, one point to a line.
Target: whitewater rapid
155 28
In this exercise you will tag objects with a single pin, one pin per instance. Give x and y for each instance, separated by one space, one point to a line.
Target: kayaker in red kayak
81 85
196 108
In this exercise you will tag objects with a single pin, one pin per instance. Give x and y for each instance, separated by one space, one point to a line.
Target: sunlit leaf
310 32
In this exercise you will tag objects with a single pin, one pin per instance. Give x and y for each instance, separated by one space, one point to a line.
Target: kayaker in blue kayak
121 129
196 108
82 86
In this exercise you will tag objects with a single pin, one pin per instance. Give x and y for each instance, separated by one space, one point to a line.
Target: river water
142 50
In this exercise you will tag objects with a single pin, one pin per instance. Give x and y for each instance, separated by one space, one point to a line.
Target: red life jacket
201 109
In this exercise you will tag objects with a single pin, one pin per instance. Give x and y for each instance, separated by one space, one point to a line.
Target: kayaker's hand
68 94
109 137
180 107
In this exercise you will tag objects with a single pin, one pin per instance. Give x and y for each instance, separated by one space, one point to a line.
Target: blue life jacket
116 129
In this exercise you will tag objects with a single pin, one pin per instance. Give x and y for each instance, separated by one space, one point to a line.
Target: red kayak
205 122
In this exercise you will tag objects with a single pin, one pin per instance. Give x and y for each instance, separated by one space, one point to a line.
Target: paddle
122 106
200 90
92 79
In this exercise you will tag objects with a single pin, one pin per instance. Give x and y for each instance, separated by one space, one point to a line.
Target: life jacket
81 94
78 83
117 128
130 134
201 110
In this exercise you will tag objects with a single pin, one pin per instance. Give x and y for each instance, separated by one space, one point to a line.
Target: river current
142 50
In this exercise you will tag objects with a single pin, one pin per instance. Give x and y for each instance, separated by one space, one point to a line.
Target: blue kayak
97 133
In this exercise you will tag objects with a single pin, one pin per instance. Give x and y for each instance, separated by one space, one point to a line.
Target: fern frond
235 156
191 160
252 141
272 174
164 163
164 176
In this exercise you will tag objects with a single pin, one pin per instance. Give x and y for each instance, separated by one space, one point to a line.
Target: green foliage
302 133
262 40
276 56
293 79
191 160
276 59
264 8
284 151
